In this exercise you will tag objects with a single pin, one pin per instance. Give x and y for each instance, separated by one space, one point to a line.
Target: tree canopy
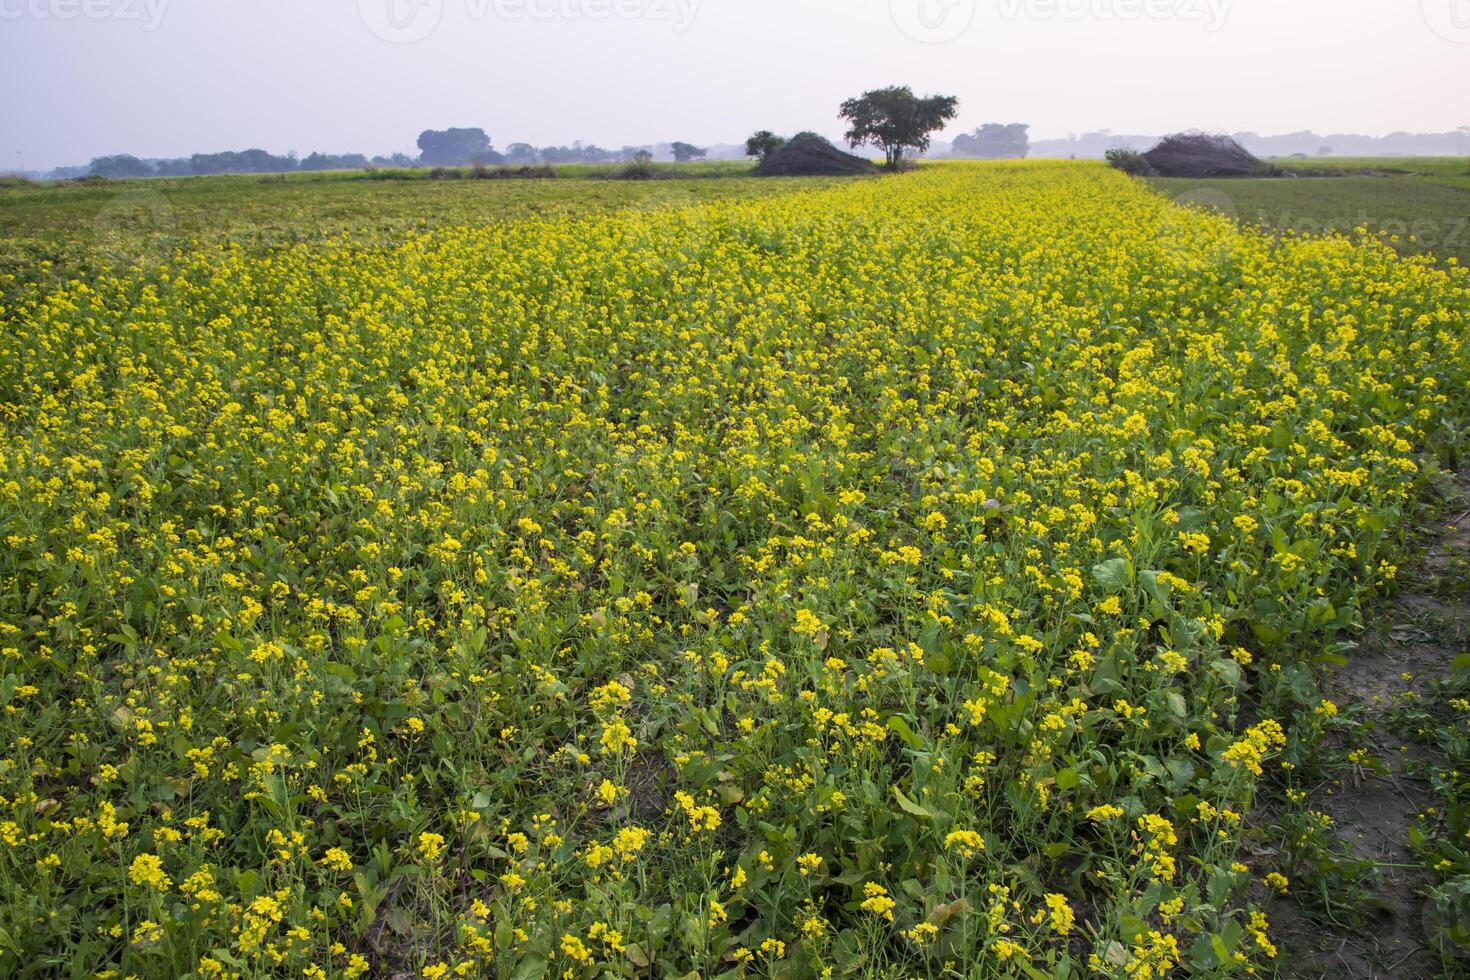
894 119
762 144
995 141
121 166
453 147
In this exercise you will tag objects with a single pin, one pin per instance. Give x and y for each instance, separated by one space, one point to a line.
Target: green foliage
895 120
1131 162
120 167
994 141
763 144
455 148
641 167
902 578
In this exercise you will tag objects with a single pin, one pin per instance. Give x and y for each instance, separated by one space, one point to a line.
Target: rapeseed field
920 577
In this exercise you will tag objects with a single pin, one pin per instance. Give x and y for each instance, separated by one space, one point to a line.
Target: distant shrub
445 173
15 180
641 168
763 144
806 155
542 172
1196 154
1129 161
392 173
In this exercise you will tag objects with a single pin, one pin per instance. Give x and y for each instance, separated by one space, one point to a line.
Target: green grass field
70 225
1454 171
1420 205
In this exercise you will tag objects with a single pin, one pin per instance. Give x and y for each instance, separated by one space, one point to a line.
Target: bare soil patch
1418 633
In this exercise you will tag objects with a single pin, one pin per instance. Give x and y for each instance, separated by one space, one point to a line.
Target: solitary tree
520 153
894 119
684 152
453 147
763 144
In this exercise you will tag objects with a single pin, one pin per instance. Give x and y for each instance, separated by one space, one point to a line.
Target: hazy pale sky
171 77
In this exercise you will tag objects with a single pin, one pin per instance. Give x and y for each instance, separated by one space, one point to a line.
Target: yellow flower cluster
1250 751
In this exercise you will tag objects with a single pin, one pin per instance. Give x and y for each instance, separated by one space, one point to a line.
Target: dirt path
1421 630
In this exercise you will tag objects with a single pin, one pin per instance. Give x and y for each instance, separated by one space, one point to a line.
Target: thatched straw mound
809 155
1203 155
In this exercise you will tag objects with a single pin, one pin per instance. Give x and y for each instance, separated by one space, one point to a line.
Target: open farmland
1416 205
921 576
66 229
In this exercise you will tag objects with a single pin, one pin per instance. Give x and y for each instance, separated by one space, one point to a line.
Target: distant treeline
230 162
468 147
1306 143
437 148
994 141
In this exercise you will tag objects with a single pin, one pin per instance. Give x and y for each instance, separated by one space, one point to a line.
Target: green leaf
247 883
659 925
1156 590
848 951
1036 974
1227 670
901 728
1113 575
533 967
910 807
